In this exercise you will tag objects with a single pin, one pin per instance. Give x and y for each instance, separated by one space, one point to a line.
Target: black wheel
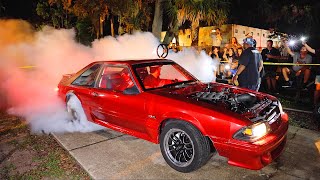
183 146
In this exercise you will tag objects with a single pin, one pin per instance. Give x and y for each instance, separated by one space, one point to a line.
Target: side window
116 78
88 77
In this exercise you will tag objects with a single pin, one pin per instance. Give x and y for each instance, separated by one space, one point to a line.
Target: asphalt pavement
107 154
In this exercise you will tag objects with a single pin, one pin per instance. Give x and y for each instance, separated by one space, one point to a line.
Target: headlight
253 132
280 107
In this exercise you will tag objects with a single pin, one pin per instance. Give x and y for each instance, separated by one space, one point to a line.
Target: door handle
94 94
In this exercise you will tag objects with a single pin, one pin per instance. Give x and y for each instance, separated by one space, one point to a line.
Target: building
228 31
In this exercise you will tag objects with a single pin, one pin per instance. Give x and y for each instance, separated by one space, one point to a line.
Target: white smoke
199 64
30 92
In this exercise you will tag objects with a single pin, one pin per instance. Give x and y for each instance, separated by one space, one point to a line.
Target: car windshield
162 74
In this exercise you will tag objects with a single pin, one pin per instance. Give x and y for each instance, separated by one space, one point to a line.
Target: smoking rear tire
75 110
183 146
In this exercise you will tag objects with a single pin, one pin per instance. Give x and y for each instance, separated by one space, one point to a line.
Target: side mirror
131 91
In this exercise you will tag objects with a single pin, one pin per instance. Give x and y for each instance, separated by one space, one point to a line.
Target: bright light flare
303 38
56 89
292 42
227 67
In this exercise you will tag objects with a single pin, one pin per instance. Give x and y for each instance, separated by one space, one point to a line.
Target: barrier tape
282 64
289 64
26 67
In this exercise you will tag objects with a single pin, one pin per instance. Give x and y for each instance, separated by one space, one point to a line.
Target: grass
42 155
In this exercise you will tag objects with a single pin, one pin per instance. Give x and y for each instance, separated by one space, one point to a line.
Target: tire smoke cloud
29 92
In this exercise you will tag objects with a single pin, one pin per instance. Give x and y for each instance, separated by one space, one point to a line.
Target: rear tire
183 146
75 110
77 117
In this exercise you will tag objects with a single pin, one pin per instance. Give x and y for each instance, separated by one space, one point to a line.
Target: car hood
250 104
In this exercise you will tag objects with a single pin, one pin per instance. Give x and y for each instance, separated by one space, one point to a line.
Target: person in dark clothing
248 71
270 54
317 92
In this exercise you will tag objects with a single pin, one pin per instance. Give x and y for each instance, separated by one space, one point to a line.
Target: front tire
183 146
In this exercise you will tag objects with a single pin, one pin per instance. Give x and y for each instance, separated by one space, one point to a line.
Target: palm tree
158 18
211 11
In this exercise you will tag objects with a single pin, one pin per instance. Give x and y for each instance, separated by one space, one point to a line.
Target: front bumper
256 155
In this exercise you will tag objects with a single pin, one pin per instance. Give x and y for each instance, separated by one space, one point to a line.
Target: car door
116 107
131 110
83 87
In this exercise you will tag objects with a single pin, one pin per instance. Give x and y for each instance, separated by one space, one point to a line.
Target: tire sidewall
192 133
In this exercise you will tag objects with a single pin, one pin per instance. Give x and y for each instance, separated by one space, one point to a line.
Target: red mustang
159 101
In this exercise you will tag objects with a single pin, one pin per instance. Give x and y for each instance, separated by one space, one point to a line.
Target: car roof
133 62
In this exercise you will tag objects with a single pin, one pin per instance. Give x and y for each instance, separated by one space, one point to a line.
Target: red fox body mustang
159 101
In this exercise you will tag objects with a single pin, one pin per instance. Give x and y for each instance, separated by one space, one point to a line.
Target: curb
59 142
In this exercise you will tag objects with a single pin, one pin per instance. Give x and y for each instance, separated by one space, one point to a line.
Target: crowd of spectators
243 65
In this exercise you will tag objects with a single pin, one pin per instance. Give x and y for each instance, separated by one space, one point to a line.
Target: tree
291 16
158 18
54 14
95 10
132 14
179 11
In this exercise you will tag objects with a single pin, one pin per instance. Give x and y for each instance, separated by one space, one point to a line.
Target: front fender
180 116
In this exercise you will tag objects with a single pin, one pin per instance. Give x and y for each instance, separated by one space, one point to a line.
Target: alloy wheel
179 147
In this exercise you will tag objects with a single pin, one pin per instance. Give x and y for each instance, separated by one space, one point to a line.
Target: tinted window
87 78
